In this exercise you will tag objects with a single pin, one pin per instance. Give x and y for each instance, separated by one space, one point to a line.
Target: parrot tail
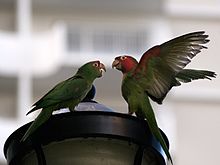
151 120
41 119
32 110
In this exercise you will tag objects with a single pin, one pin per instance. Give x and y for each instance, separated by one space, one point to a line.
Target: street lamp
86 138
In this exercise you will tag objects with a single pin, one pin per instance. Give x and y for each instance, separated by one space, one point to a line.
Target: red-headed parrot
159 69
66 94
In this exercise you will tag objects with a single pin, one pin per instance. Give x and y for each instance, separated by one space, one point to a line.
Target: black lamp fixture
86 138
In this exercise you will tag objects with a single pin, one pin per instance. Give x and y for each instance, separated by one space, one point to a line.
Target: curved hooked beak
102 68
115 64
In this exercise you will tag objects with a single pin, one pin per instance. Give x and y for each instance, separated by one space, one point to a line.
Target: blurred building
43 42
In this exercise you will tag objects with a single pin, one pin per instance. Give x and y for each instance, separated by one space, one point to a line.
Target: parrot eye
95 64
123 57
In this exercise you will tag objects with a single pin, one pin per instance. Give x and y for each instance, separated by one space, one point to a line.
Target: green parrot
159 69
66 94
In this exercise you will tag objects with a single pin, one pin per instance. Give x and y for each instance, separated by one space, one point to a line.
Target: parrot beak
115 64
102 68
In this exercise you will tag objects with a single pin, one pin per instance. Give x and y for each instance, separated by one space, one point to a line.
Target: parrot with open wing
66 94
159 69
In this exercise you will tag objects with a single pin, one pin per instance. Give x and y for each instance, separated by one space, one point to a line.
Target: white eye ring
95 64
123 57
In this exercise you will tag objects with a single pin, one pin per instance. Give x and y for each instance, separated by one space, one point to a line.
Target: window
105 40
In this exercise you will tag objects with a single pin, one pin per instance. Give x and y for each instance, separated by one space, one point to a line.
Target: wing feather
187 75
160 64
183 49
72 88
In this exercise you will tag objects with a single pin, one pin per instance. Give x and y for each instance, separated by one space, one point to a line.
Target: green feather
138 102
66 94
148 114
188 75
159 69
41 119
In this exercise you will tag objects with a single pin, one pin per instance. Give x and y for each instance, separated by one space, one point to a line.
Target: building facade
43 42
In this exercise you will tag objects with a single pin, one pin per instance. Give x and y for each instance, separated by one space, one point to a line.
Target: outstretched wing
72 88
159 65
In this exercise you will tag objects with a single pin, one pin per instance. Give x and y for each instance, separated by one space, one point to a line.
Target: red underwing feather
159 65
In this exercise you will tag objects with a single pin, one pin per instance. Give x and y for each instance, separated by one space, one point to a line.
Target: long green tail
41 118
149 115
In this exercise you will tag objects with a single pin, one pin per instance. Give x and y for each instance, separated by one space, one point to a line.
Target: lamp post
86 138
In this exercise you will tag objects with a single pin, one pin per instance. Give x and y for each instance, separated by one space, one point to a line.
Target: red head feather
125 63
